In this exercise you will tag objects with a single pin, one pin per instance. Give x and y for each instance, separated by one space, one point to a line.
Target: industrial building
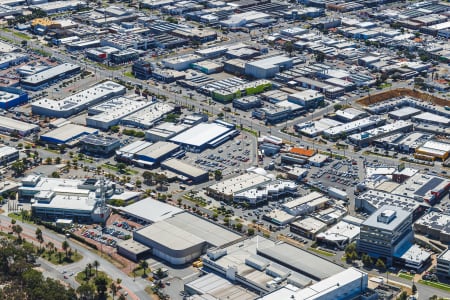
308 227
11 97
307 98
148 116
279 217
154 154
385 233
316 128
424 188
186 172
213 135
342 233
350 114
268 67
181 63
45 78
430 118
247 103
306 204
78 102
404 113
274 190
257 262
133 250
365 138
8 155
68 134
443 264
434 224
349 284
183 237
164 131
150 210
9 126
111 112
352 127
99 145
226 189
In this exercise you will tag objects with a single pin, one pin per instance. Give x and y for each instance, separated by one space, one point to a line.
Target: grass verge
405 276
321 252
54 258
438 285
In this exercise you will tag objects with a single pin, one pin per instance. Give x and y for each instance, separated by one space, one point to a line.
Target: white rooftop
151 210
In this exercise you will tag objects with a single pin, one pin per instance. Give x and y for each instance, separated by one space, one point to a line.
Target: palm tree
89 266
96 265
113 288
144 265
65 246
17 229
39 236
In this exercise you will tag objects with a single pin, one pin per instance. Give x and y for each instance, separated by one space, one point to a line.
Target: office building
443 264
142 70
385 233
99 145
307 98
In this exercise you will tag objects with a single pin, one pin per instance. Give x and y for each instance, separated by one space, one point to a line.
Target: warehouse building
164 131
434 224
424 187
78 102
315 128
279 217
433 150
339 131
154 154
308 227
341 234
307 98
181 63
183 238
213 135
350 114
148 116
226 189
271 191
207 67
247 103
133 250
127 153
8 155
68 135
111 112
365 138
8 60
306 204
257 262
11 97
348 284
94 144
48 77
404 113
431 118
268 67
9 126
150 211
185 171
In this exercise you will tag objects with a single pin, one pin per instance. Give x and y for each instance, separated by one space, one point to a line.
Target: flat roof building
183 237
404 113
45 78
431 118
226 189
150 210
273 190
212 135
308 227
155 154
365 138
186 172
94 144
10 97
10 125
111 112
133 250
268 67
385 232
352 127
341 234
8 155
68 134
149 116
164 131
436 225
78 102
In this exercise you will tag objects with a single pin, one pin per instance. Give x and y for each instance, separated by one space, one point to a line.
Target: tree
101 285
55 174
250 231
48 161
65 246
414 288
121 166
86 291
96 265
39 236
18 167
380 264
320 57
144 265
148 177
239 227
367 260
403 296
289 47
58 160
18 230
218 174
113 288
337 107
